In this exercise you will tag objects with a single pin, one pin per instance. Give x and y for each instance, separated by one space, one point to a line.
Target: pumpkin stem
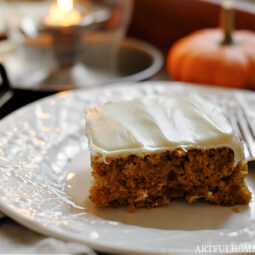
227 22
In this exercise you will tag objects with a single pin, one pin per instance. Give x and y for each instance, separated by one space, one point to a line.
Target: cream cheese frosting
159 123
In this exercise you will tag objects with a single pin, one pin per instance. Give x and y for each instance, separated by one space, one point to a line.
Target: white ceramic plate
45 177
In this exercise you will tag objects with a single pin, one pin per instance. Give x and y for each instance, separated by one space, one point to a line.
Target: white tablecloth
15 238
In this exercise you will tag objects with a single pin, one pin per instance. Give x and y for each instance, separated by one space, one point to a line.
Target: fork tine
233 118
246 129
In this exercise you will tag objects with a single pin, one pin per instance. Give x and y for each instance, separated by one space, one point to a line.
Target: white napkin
15 238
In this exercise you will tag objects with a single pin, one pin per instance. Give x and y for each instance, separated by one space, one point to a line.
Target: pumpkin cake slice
148 151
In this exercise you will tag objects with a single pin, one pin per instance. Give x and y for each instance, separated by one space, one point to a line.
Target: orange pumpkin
201 58
215 56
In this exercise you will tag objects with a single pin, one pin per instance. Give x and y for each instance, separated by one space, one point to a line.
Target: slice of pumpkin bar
148 151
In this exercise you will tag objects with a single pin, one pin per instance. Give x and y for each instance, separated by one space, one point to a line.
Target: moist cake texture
148 151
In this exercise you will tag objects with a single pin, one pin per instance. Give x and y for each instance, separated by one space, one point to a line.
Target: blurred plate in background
137 60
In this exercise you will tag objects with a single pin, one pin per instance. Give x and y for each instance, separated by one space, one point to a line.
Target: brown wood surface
162 22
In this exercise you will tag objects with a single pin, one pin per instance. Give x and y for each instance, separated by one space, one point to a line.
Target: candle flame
63 14
65 5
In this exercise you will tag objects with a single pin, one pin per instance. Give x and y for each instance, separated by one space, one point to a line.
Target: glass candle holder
65 41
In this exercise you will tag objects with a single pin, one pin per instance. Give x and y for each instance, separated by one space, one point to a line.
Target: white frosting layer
159 123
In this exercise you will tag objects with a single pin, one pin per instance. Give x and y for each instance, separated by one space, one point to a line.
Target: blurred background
56 45
47 46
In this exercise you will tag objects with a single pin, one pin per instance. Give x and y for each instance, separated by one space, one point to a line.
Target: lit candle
63 14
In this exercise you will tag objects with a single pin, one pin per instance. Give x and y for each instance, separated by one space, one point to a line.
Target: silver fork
240 121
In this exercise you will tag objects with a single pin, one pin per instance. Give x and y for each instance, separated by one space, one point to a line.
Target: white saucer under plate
45 177
136 61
